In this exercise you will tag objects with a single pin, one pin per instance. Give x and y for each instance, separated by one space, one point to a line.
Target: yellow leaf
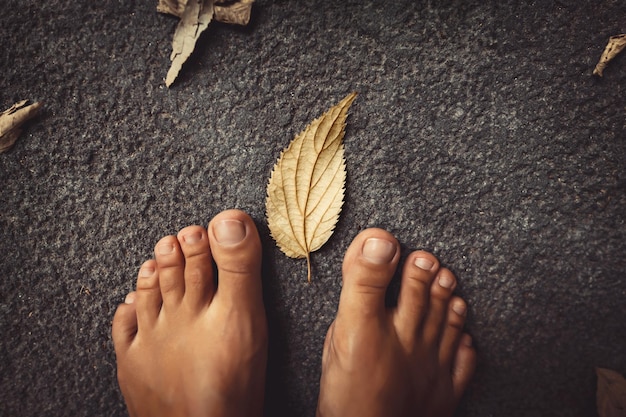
306 189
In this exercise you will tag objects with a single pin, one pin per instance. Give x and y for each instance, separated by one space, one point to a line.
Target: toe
171 262
452 331
418 274
199 285
368 267
236 250
440 293
463 367
124 324
148 295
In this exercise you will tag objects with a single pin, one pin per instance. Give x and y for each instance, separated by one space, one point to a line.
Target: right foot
412 360
186 346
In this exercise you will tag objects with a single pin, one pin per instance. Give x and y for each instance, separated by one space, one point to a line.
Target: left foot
410 360
185 345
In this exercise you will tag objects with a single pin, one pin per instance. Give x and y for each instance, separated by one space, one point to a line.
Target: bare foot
412 360
185 345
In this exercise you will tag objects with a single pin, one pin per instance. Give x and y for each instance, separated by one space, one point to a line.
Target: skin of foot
189 341
410 360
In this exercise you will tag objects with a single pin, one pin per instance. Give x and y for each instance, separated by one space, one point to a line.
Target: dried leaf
611 394
306 189
237 13
11 120
175 7
616 44
194 20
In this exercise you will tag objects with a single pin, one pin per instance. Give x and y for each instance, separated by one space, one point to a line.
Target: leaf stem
308 266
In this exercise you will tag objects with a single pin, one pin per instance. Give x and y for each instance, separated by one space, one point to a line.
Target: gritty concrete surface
478 133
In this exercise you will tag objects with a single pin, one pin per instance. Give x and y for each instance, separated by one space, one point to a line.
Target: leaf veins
306 189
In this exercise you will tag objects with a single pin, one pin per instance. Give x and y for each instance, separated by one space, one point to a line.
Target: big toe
236 249
368 267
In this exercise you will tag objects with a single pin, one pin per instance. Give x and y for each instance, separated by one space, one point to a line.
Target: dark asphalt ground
479 134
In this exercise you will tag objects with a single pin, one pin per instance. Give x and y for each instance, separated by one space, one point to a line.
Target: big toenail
446 281
192 238
378 251
229 232
165 248
459 308
424 263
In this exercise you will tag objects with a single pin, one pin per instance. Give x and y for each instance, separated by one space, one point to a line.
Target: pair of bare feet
189 343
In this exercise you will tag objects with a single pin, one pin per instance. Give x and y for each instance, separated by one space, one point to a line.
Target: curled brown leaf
611 393
616 45
11 120
195 16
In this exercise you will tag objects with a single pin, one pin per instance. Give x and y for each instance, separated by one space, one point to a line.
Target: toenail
467 340
459 308
165 248
229 232
146 271
192 238
424 263
378 251
446 281
130 298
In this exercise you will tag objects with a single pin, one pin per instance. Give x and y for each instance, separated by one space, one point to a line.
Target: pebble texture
478 133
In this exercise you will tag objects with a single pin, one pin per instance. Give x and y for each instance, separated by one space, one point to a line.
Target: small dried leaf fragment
611 394
175 7
195 18
616 45
11 120
306 189
237 12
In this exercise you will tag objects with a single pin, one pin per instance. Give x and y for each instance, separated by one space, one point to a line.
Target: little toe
171 262
124 326
464 366
199 279
418 274
368 267
440 293
457 310
236 249
148 295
